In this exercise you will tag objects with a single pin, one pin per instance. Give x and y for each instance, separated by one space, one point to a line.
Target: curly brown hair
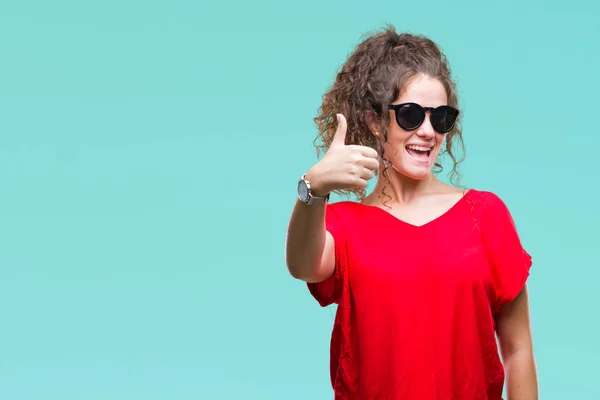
371 79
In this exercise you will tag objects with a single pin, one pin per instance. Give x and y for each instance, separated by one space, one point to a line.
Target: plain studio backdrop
149 155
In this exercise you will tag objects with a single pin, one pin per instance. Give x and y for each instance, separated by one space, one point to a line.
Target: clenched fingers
364 150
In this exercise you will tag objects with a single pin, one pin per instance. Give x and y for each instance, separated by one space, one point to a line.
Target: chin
414 173
416 170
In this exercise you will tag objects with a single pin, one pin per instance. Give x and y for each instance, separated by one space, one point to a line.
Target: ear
374 125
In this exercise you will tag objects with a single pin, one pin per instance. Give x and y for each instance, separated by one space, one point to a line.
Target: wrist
317 188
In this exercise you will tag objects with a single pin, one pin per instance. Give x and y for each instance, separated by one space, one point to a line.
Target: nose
426 131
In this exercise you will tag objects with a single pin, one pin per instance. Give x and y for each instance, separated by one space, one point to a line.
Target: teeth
418 148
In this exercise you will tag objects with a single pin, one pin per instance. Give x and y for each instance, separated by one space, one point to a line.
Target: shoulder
349 214
344 207
340 217
486 200
340 211
490 208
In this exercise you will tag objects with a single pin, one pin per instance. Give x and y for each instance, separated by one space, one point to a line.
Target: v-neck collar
442 216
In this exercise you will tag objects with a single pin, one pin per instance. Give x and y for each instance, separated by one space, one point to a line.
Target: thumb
339 138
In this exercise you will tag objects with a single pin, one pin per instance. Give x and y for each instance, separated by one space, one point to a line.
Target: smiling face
413 153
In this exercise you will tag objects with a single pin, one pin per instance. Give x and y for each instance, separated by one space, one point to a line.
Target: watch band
310 198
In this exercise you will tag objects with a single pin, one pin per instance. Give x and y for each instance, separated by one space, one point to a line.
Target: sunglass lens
410 116
443 119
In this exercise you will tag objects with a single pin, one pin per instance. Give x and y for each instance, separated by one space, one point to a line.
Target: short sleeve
329 291
510 262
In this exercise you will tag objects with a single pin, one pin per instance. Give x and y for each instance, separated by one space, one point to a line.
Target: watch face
302 191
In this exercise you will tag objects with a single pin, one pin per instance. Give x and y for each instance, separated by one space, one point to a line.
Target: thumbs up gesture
343 166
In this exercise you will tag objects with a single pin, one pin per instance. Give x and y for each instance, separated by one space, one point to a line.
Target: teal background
149 154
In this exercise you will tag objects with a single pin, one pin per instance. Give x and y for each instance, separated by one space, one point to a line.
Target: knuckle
355 157
352 169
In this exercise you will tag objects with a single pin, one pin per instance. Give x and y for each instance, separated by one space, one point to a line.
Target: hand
343 167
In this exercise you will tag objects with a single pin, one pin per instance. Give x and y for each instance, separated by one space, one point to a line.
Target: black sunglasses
411 115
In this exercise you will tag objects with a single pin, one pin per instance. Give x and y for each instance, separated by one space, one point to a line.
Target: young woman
426 275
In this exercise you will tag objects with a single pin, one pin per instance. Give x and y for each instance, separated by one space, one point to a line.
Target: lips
419 152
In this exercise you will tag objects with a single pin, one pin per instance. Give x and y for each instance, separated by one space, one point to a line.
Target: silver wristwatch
305 195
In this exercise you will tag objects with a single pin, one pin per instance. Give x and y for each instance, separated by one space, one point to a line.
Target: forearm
305 240
521 375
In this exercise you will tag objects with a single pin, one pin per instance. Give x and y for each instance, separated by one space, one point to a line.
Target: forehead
424 90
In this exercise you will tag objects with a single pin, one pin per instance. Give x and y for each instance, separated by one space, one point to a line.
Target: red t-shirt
416 304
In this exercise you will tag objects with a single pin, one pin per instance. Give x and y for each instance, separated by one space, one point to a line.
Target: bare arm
309 248
516 345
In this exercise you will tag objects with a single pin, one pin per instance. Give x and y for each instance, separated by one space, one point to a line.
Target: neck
401 188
